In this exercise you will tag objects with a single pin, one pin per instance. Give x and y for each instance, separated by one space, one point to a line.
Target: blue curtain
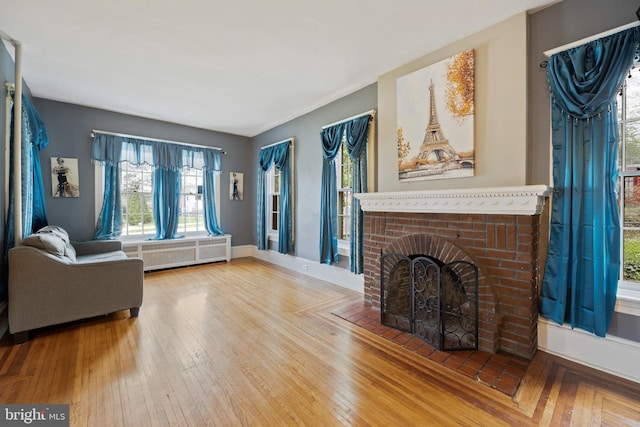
211 167
167 159
331 139
278 156
34 139
39 141
166 202
583 262
282 161
109 223
357 132
166 191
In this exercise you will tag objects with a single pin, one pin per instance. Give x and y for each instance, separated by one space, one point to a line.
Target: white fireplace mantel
524 200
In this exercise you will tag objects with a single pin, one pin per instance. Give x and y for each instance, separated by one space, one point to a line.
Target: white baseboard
336 275
616 356
242 251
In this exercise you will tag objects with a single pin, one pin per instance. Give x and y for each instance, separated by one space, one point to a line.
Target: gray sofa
50 283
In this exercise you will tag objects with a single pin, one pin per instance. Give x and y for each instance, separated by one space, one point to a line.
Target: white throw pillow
48 242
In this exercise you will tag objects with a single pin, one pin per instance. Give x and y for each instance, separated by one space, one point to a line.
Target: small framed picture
64 177
236 187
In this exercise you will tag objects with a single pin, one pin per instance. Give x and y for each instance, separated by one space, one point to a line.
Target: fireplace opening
434 301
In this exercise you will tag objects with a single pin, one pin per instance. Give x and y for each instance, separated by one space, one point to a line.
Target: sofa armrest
96 246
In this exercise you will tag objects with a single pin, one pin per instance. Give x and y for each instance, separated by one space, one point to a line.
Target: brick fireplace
497 229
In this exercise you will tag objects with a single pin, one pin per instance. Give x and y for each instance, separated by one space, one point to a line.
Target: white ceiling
241 66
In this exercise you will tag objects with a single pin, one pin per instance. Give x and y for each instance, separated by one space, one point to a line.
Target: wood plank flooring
248 343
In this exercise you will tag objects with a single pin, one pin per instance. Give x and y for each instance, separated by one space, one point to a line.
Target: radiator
159 254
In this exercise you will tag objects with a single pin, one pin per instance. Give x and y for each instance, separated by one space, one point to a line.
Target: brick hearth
504 246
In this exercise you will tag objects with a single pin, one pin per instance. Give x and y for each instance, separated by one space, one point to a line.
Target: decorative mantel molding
524 200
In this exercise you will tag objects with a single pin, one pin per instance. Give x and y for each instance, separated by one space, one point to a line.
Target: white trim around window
628 298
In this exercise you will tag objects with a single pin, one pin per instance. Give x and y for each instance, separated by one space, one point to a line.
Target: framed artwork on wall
435 114
64 177
236 185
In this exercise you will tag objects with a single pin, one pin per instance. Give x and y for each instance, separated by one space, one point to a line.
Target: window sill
135 239
628 298
151 238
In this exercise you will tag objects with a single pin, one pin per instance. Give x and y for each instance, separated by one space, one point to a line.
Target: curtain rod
564 47
370 112
276 143
124 135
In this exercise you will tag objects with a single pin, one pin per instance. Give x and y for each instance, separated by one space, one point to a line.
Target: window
191 217
273 191
629 171
136 196
136 184
344 179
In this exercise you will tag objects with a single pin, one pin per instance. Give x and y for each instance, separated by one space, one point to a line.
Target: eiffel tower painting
435 145
444 128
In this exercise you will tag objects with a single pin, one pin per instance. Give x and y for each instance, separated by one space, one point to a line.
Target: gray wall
69 126
308 163
563 23
500 124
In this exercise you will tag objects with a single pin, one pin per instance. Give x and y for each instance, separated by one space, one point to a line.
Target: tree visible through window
191 216
629 170
137 199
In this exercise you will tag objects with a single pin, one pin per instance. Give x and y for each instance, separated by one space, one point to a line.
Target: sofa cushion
104 256
48 242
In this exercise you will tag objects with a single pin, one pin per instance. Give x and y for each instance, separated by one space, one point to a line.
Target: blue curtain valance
277 155
583 79
112 149
331 138
356 133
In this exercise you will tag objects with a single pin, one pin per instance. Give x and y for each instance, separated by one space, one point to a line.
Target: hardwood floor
247 343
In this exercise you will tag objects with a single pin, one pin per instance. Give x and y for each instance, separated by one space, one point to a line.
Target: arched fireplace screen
434 301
